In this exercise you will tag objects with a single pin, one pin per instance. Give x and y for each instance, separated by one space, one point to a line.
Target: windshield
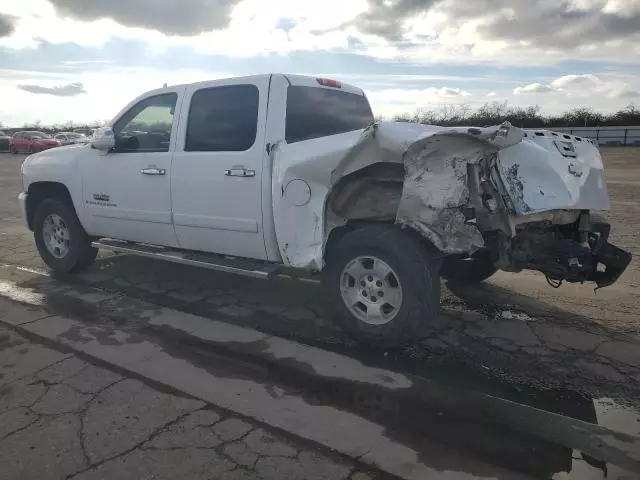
314 112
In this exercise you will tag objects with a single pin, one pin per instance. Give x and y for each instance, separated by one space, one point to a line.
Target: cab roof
319 81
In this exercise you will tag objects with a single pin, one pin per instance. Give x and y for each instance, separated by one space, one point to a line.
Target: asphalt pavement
287 368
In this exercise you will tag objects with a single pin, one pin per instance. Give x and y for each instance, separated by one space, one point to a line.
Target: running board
211 261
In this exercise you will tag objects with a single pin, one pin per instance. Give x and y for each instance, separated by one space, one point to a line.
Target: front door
127 191
216 180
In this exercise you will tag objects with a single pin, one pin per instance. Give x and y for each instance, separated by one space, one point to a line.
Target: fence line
605 135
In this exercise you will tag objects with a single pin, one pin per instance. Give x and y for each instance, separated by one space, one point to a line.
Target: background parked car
84 131
5 141
32 142
70 138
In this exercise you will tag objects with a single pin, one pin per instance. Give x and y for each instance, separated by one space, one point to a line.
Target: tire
79 253
468 271
13 150
413 269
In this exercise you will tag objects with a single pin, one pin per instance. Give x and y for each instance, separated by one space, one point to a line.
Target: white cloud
425 31
533 88
623 92
68 90
418 97
108 90
438 33
576 81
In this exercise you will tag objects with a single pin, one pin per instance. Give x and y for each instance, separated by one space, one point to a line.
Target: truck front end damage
528 198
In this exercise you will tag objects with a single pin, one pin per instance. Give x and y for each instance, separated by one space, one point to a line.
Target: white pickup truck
272 173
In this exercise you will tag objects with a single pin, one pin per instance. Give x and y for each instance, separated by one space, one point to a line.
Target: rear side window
319 112
223 119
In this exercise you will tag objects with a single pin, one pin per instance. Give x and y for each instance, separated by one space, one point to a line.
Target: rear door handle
239 172
153 171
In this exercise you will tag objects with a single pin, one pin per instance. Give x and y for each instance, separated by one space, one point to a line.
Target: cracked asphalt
512 336
62 417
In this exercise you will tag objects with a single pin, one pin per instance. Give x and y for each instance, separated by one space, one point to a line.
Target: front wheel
61 241
383 284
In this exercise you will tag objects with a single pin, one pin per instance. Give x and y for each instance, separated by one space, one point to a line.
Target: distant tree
494 113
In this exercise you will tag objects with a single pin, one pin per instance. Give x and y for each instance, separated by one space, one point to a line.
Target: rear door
218 166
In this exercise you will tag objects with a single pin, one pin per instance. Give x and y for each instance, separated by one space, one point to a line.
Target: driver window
146 127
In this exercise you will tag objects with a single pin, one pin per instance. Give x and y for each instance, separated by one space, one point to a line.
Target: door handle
239 172
153 171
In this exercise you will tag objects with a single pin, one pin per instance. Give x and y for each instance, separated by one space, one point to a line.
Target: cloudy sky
83 60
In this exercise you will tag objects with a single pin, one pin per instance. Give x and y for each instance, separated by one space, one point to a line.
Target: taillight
325 82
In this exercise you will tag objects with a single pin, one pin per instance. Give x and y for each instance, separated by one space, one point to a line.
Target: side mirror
103 139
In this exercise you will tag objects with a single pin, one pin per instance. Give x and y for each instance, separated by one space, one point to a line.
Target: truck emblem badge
101 197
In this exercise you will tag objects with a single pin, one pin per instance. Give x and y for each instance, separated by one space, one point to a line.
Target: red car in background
31 142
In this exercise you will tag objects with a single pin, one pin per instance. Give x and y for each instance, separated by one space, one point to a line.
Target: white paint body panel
139 206
546 175
300 230
213 212
59 165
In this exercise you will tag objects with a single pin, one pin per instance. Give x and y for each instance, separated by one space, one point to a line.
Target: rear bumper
575 252
615 261
22 200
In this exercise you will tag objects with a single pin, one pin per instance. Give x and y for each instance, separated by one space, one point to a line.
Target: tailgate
553 171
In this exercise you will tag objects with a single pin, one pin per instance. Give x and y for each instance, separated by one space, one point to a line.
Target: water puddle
19 294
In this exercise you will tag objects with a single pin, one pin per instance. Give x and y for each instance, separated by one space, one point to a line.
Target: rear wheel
61 241
383 284
468 271
13 150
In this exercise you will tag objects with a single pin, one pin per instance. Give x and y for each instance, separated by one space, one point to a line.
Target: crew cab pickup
279 173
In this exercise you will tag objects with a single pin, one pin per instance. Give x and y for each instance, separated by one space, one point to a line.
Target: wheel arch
40 191
365 197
